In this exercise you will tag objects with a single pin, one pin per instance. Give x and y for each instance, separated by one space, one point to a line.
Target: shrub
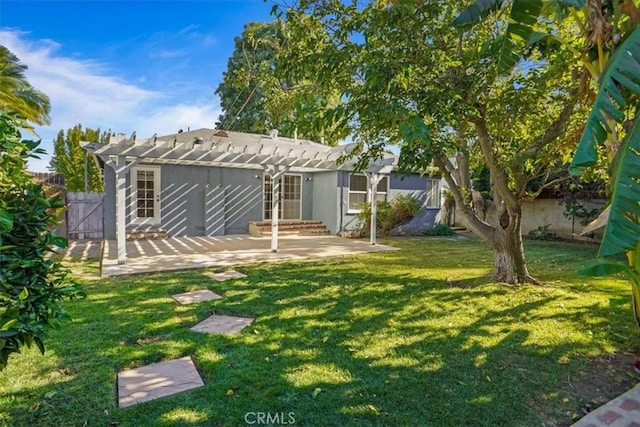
389 214
31 286
542 233
439 230
404 207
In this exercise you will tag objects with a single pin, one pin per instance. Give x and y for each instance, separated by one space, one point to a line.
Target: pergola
217 148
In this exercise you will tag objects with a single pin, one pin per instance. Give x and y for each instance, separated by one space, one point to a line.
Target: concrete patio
180 253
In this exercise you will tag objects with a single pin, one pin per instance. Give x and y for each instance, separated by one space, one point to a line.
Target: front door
146 195
290 197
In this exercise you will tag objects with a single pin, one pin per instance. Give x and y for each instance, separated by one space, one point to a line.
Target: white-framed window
433 193
359 191
145 183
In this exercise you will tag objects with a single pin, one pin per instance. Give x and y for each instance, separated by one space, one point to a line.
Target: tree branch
499 179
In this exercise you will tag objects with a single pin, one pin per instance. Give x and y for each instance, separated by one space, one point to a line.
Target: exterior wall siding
195 201
325 198
204 201
109 205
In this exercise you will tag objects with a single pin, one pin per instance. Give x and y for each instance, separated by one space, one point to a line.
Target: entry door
290 197
146 193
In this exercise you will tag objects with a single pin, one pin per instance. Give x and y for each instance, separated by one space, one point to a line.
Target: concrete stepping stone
226 275
157 380
219 324
196 296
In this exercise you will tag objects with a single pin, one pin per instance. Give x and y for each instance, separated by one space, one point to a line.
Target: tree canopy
70 159
255 98
17 95
407 77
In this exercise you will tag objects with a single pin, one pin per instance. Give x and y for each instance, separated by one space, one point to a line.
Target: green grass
413 337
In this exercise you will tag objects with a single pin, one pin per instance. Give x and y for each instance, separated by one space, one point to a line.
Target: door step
289 227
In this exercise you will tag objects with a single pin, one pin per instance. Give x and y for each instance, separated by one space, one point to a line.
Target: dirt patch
603 379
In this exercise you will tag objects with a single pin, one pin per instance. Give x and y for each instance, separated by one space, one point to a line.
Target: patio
180 253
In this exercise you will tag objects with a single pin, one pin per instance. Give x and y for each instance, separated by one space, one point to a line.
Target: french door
290 197
146 195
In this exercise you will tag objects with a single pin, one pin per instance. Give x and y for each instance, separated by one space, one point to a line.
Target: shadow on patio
179 253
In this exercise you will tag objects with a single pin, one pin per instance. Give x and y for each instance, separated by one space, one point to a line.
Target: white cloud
82 91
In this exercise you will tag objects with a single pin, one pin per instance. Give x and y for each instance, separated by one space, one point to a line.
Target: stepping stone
226 275
195 296
227 325
157 380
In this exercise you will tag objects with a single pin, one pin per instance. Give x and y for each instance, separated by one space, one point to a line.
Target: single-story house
209 182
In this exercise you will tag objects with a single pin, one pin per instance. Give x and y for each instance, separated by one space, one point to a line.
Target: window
433 193
359 192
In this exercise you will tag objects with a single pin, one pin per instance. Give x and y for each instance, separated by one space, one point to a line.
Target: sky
147 66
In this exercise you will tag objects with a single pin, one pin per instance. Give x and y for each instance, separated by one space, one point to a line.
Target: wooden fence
85 216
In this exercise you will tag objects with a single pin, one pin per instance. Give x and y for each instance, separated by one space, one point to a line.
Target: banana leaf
622 232
622 70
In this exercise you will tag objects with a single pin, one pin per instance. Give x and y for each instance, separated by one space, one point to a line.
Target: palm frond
622 233
622 71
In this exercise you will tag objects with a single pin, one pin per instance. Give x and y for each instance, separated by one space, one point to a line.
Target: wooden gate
84 216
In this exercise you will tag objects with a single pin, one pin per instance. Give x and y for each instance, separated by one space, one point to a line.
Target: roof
212 147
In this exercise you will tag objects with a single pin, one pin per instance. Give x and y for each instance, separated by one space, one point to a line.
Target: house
210 182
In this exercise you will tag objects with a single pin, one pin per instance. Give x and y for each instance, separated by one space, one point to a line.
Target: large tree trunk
509 265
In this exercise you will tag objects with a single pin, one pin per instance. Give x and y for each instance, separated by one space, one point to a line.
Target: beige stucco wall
541 212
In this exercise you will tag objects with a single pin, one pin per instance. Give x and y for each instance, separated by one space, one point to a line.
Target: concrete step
289 227
146 234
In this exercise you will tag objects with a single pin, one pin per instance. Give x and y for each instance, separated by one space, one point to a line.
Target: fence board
85 216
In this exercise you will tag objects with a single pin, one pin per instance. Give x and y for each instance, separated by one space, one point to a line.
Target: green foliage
439 230
31 286
542 233
620 79
481 181
405 207
255 98
389 214
384 217
69 159
374 329
16 94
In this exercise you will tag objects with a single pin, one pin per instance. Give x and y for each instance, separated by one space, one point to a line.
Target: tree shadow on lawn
344 342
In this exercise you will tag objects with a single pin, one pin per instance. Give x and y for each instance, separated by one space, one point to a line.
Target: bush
389 214
439 230
31 286
404 209
542 233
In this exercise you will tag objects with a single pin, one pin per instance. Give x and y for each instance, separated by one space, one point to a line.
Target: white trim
367 191
437 196
155 220
282 199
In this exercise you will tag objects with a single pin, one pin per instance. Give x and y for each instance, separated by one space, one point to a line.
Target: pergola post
373 179
276 174
121 195
275 207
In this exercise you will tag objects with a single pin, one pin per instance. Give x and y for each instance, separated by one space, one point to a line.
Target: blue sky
144 66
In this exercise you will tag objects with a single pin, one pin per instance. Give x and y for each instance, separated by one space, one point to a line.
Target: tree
16 94
611 52
70 159
32 285
256 99
407 77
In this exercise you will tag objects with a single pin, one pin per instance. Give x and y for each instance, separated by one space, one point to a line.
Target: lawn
419 336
